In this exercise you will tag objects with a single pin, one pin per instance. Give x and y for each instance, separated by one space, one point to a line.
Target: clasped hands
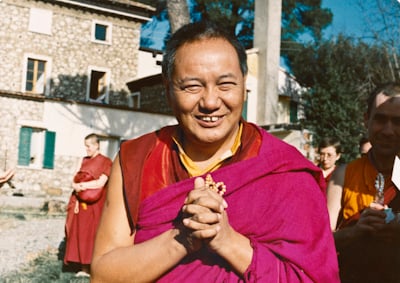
205 221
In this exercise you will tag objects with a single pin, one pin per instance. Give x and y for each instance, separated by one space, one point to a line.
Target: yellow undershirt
194 170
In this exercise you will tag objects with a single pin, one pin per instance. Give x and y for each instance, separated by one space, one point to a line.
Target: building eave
22 95
137 84
121 8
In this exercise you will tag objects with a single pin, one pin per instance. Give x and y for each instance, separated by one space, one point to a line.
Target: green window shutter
24 147
49 146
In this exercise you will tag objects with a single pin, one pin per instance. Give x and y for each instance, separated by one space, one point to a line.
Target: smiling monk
214 198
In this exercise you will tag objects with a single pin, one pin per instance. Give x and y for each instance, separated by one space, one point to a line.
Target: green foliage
235 15
338 75
299 17
304 16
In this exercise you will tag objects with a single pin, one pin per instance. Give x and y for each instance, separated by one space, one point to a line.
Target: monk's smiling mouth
209 118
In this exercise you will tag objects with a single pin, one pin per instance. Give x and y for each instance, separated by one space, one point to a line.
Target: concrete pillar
267 39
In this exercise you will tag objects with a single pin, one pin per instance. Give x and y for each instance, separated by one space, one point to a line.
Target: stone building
64 65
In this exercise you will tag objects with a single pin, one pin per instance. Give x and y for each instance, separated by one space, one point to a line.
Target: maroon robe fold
274 199
81 223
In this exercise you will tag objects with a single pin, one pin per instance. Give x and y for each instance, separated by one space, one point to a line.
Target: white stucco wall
147 64
72 122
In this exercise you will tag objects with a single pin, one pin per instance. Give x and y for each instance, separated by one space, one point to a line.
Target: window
36 148
36 74
134 100
101 32
98 83
40 20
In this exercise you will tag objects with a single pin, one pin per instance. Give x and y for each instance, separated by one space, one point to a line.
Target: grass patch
47 267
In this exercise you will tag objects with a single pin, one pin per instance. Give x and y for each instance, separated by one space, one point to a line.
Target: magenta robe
274 199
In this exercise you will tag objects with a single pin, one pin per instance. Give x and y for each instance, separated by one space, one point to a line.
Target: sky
347 19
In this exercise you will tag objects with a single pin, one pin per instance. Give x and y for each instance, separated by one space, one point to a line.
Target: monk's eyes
225 86
382 119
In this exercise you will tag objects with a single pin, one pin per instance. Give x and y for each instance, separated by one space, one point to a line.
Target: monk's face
207 92
92 147
384 125
328 157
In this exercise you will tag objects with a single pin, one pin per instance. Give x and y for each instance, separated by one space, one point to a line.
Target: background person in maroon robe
83 213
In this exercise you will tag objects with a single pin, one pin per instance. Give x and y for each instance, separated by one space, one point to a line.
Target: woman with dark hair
329 150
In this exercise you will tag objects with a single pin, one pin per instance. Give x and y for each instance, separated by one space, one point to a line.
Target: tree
338 75
382 19
304 17
178 13
299 17
236 16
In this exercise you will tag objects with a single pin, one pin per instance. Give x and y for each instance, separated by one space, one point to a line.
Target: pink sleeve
295 243
268 267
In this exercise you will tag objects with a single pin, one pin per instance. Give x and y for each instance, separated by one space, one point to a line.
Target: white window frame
37 146
108 26
105 97
46 79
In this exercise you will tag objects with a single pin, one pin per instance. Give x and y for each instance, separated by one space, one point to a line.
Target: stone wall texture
69 47
30 181
71 52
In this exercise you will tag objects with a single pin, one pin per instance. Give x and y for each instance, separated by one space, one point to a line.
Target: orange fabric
194 170
359 189
157 165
